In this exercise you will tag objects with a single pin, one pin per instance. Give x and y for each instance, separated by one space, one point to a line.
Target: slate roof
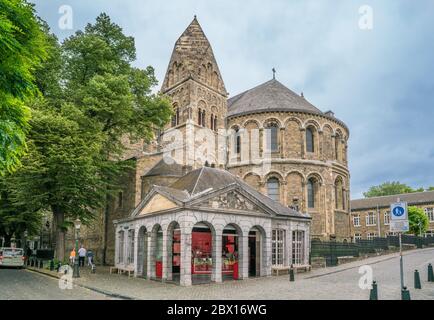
206 178
385 201
269 96
164 169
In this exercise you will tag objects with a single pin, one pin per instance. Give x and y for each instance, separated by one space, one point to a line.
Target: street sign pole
401 263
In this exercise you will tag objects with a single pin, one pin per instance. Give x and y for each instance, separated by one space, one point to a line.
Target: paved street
16 284
329 283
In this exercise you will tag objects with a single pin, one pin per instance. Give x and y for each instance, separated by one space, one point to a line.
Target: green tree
389 188
430 189
22 49
418 220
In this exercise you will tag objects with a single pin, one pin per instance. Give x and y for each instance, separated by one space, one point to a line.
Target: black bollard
417 284
374 291
405 294
430 273
291 274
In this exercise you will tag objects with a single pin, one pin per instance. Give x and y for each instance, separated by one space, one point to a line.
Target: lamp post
76 272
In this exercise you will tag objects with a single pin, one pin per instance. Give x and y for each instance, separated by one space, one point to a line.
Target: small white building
210 226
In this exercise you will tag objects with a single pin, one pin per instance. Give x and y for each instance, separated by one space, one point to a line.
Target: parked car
12 257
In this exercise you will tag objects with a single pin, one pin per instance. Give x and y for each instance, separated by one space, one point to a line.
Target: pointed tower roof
192 57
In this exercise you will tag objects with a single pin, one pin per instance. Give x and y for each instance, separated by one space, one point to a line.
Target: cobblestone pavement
339 282
16 284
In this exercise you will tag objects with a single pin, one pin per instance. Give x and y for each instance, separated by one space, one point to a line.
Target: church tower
195 86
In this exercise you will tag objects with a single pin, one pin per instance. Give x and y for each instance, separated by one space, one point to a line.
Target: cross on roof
274 73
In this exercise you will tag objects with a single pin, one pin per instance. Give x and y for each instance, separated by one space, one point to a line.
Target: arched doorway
156 255
142 252
174 252
231 253
202 253
255 251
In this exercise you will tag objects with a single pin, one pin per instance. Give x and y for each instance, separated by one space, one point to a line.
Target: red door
235 270
159 269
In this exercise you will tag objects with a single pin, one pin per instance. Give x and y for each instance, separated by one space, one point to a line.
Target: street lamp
77 225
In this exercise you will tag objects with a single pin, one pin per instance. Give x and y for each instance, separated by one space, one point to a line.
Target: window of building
273 188
199 117
130 252
212 122
237 141
311 193
339 194
203 122
121 244
357 236
120 199
371 219
175 118
371 235
430 214
387 218
429 233
310 140
356 221
278 247
215 123
274 137
297 247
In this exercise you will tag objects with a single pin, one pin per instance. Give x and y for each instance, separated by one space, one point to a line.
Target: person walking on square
72 257
81 256
89 257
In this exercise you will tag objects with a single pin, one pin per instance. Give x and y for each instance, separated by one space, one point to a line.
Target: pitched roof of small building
163 168
269 96
385 201
208 179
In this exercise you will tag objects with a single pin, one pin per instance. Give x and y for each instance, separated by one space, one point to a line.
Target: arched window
337 147
339 194
310 143
175 118
274 137
311 193
212 122
273 188
237 141
199 117
215 123
203 119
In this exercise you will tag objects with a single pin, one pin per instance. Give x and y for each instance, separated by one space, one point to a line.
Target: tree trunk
58 220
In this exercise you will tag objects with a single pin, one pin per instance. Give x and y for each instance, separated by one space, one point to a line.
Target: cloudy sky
379 81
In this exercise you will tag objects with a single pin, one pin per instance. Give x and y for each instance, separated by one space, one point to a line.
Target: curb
107 293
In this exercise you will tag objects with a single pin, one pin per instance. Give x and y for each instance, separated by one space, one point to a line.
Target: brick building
278 143
370 217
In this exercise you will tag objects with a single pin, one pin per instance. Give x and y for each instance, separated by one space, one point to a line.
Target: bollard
405 294
51 265
374 291
417 284
291 274
430 273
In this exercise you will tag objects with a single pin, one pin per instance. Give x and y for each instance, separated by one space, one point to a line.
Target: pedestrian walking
89 257
81 256
72 257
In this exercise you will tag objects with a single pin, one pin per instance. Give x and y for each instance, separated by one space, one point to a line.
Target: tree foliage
390 188
22 50
418 220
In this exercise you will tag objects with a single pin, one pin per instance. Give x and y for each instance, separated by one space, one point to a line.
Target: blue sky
380 82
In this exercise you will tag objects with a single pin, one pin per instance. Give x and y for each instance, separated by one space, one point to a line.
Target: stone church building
254 176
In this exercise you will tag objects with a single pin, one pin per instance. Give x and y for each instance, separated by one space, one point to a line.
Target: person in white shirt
81 256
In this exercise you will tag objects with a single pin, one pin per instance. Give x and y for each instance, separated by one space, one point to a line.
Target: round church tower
308 169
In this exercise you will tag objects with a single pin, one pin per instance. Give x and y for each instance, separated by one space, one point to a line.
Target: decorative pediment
231 200
157 203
